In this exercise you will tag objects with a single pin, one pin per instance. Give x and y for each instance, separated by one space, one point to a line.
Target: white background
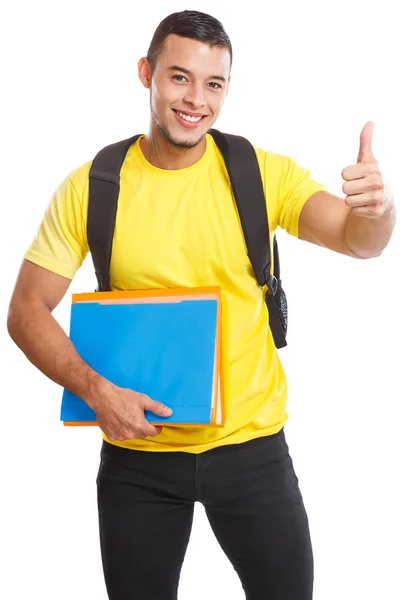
306 77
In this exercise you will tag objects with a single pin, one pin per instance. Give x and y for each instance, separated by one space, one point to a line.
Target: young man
177 226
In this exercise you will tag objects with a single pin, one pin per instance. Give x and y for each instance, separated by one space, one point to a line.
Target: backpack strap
244 173
104 178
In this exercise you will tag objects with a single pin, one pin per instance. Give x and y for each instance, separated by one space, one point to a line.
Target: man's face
188 88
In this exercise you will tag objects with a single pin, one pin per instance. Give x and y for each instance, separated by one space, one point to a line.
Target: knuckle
140 433
375 182
139 400
125 433
146 402
374 211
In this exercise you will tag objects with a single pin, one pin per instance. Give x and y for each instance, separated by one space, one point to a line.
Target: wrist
96 390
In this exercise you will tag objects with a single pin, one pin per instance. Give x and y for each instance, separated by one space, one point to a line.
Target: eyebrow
187 72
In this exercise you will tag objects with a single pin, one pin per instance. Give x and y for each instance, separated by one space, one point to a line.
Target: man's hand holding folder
120 413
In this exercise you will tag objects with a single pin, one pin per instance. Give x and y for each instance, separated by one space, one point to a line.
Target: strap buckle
272 284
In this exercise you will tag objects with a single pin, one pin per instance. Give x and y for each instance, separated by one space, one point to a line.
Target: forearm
367 237
40 337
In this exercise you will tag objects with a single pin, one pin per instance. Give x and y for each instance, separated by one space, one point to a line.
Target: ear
144 72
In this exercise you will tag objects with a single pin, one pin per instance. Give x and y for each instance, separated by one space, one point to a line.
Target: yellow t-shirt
180 228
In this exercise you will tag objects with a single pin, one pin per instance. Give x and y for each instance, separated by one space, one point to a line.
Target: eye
176 77
217 85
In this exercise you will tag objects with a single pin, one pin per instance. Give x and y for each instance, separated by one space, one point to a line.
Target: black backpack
242 166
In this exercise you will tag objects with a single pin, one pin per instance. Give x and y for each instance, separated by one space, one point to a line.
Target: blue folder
165 350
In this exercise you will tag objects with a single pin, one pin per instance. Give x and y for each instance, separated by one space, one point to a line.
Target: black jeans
252 500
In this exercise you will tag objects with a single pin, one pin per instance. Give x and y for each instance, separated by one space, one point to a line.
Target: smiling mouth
188 118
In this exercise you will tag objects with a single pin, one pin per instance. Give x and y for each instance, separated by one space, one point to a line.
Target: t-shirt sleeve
60 244
295 188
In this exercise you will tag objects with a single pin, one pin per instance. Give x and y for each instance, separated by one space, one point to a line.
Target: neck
164 155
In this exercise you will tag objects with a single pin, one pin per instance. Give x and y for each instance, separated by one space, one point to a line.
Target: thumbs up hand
366 193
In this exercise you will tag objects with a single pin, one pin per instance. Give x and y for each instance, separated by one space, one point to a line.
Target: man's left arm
361 225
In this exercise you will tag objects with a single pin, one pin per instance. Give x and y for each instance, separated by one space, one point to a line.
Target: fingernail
167 411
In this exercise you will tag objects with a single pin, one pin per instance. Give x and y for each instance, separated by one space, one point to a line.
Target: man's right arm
40 337
36 332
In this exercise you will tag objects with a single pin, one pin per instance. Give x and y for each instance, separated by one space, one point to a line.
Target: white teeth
188 118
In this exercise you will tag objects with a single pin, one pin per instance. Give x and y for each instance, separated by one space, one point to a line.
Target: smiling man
188 83
177 226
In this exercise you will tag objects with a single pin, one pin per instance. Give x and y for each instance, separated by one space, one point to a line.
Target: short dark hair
189 24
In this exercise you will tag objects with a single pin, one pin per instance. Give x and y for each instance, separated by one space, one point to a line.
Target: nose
195 95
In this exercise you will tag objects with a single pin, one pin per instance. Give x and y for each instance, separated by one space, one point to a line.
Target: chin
180 140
